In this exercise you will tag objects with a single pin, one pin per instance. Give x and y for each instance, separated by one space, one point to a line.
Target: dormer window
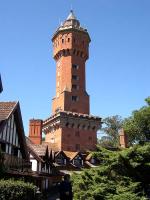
78 161
60 159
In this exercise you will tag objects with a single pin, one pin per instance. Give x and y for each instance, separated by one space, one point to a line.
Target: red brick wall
84 138
67 138
77 41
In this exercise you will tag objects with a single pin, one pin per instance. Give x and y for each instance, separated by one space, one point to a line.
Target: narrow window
74 51
74 66
62 40
75 87
68 39
75 77
75 98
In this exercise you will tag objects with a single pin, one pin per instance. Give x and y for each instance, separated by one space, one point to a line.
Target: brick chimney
123 140
35 131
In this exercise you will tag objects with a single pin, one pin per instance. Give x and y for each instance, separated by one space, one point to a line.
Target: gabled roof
39 150
6 110
89 156
32 150
60 152
52 146
71 155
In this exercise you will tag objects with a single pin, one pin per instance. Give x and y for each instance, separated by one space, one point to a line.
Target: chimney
123 140
35 131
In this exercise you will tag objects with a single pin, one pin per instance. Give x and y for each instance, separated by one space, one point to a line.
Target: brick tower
71 127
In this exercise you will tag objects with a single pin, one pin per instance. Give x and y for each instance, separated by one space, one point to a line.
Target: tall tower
70 51
71 127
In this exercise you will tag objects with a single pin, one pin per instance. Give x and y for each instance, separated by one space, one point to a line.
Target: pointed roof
6 111
6 108
71 16
71 23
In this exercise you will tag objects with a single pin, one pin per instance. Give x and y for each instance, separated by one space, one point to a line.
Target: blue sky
117 72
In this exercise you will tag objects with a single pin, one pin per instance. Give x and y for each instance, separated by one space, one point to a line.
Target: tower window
75 98
62 40
81 54
74 51
68 39
78 53
75 77
74 66
75 87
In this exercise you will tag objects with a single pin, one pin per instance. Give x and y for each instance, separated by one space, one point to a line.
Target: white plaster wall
34 165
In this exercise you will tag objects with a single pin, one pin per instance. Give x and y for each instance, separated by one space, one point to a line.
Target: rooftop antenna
59 22
71 8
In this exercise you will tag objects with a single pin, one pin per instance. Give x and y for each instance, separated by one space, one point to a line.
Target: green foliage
138 125
16 190
111 126
122 175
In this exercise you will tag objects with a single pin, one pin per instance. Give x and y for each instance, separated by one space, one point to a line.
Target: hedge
16 190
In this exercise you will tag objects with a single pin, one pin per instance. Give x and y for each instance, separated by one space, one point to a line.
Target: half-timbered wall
9 138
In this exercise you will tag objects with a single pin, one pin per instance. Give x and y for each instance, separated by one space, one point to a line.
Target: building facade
12 139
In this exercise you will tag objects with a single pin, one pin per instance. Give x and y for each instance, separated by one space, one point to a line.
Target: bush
16 190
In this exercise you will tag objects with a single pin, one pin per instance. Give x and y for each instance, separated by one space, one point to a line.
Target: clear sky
118 70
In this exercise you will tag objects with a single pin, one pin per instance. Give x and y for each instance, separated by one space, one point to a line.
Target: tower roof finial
71 15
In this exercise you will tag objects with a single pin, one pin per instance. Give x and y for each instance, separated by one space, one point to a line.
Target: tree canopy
110 128
138 125
121 175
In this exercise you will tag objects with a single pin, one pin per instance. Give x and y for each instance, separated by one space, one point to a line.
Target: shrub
16 190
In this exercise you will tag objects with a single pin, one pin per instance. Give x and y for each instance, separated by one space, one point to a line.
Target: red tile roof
6 108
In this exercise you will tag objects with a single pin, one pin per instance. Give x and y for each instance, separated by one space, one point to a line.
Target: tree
111 126
122 175
138 125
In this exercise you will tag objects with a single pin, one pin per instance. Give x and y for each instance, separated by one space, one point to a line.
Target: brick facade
35 131
71 127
